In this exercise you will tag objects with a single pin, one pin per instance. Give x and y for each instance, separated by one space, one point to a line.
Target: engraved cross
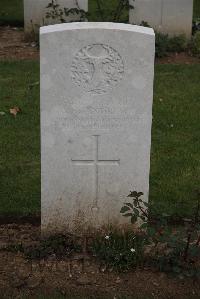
96 162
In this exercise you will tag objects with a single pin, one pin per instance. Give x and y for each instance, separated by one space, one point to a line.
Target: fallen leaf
15 110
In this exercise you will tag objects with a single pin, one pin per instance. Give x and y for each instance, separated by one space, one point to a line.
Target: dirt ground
14 46
79 274
178 58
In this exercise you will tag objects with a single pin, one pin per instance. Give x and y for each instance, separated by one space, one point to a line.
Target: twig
190 231
143 211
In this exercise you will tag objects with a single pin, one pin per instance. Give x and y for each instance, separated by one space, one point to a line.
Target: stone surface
96 114
35 13
167 16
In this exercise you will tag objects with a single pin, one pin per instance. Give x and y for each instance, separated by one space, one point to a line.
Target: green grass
11 11
19 151
196 9
175 159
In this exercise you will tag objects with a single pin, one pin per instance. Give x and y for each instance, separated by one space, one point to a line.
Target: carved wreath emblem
97 68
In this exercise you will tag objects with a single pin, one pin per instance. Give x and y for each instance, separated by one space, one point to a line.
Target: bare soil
178 58
14 46
80 274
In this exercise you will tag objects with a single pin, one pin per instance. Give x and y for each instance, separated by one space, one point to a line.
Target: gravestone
35 13
96 113
173 17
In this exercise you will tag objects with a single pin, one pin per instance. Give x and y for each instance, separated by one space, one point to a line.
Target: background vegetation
11 11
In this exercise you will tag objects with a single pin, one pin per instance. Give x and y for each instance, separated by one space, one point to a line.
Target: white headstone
173 17
35 13
96 113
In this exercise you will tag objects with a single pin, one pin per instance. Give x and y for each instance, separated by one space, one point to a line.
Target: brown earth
14 46
78 275
178 58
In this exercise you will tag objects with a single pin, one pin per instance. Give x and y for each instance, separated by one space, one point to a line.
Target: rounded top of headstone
96 26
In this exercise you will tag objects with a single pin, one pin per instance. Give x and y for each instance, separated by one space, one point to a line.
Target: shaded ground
14 46
178 58
80 274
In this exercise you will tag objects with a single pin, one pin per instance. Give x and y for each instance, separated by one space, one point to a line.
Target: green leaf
128 215
151 231
144 225
133 194
140 194
129 205
124 209
146 204
136 212
194 252
133 219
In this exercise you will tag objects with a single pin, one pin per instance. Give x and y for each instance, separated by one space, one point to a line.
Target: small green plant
137 209
119 251
196 26
195 44
102 12
60 14
165 44
182 248
58 245
177 43
173 251
161 44
145 24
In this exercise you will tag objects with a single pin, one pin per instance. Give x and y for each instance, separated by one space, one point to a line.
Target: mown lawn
20 144
175 159
11 11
